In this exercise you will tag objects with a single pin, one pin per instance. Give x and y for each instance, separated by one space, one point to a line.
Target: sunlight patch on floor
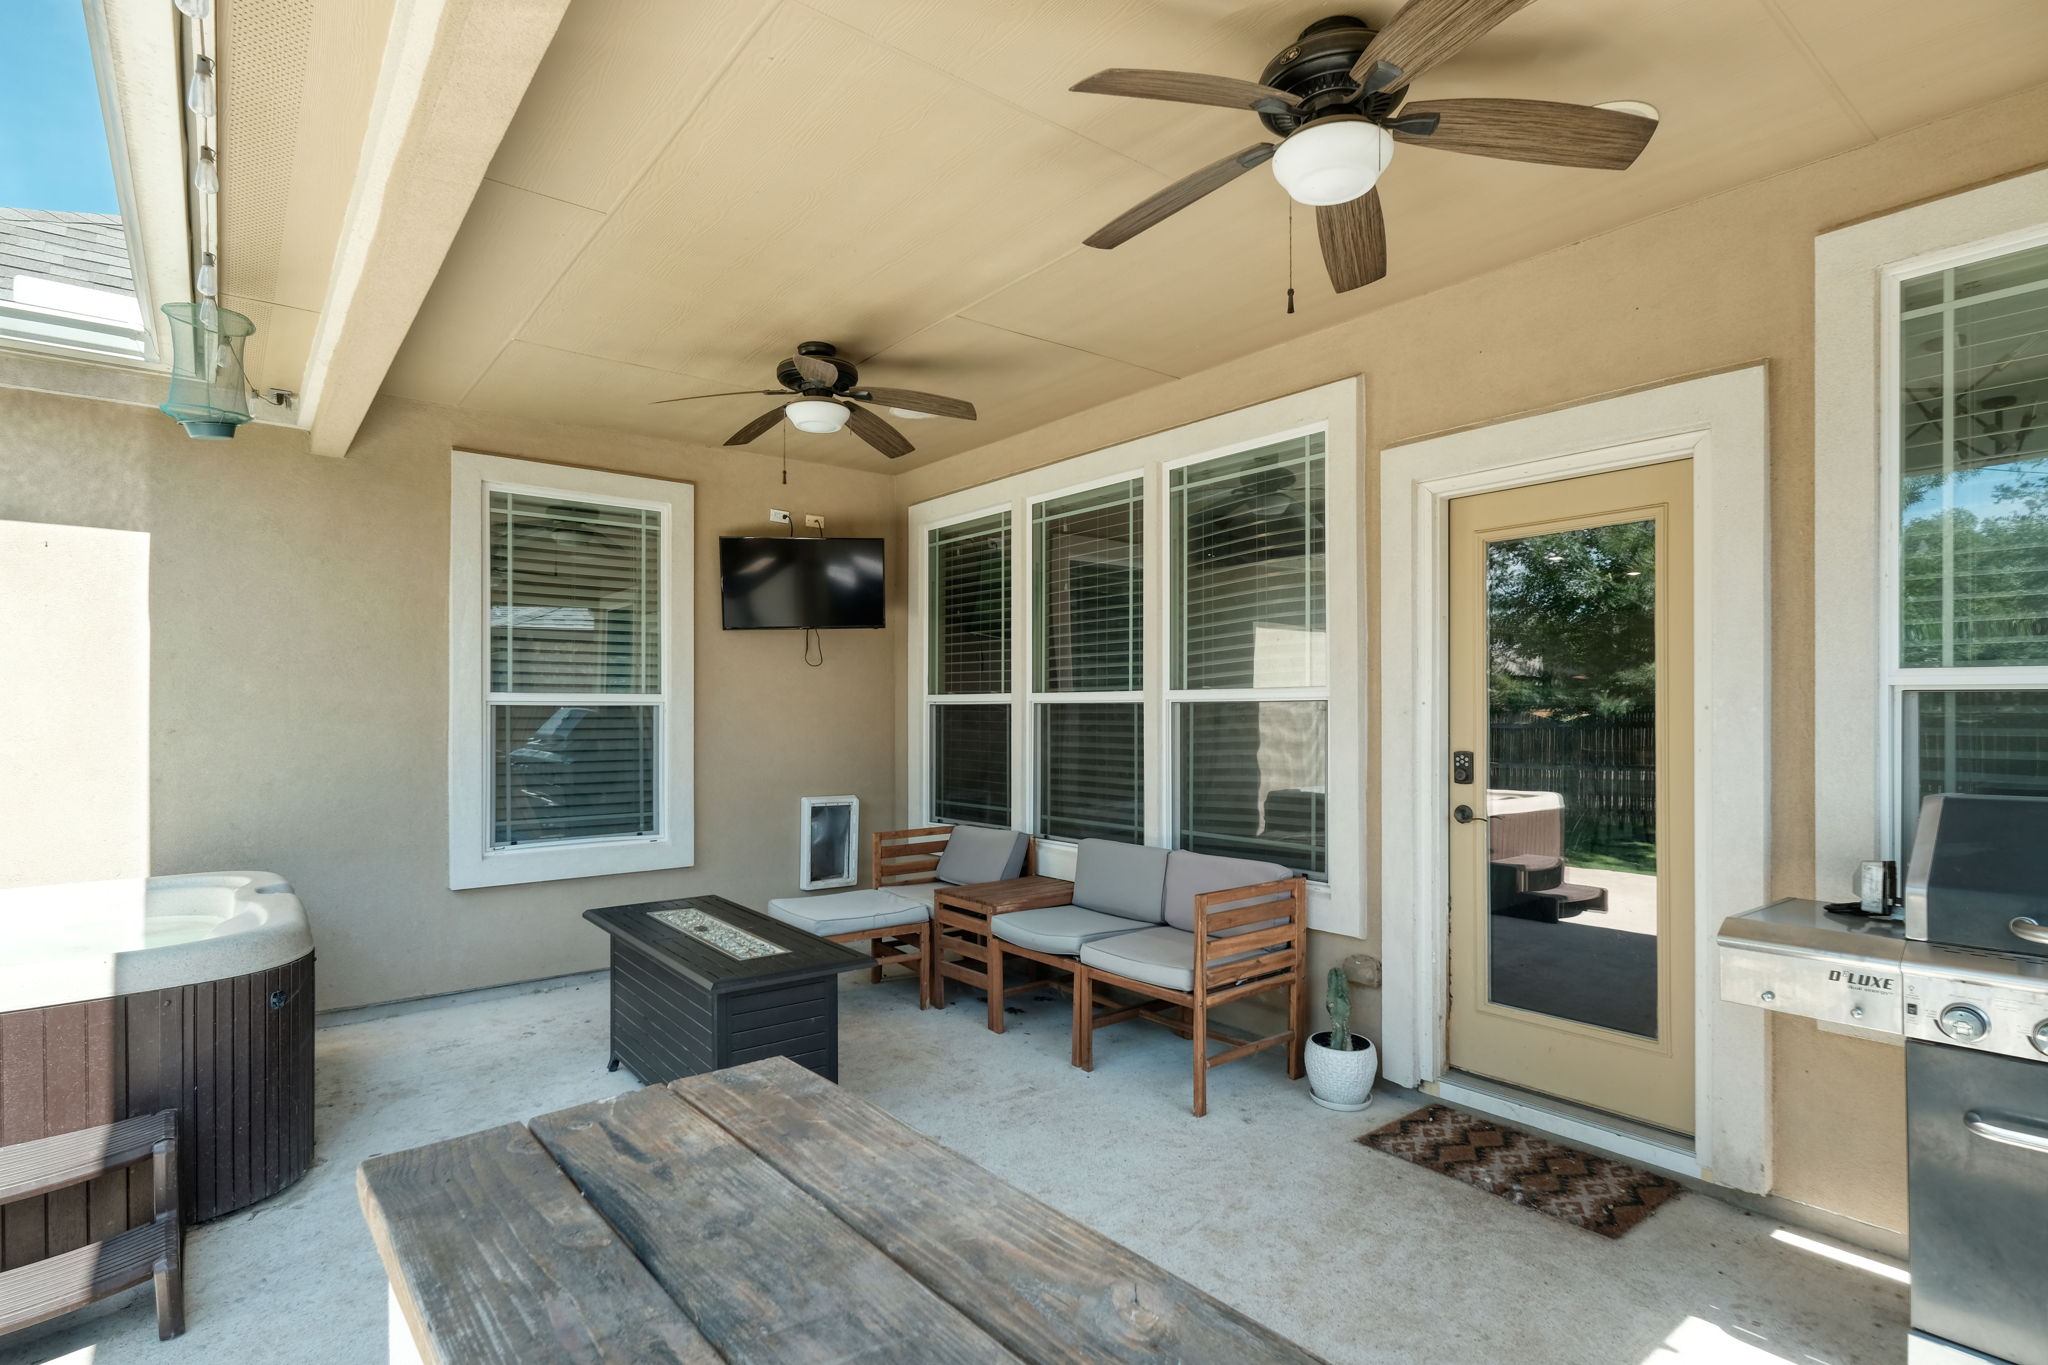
1843 1255
1699 1342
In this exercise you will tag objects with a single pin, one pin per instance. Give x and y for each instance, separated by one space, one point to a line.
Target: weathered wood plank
494 1257
765 1272
1044 1285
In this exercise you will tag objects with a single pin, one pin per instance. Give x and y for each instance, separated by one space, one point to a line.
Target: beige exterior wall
1721 283
299 674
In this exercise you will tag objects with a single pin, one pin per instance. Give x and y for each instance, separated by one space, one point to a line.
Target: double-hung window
967 576
1968 673
569 718
1088 662
1249 669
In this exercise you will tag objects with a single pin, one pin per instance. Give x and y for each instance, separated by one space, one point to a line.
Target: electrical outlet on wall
813 522
778 516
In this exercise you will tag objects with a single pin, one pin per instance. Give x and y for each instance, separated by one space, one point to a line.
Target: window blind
1248 571
1254 781
575 596
1973 465
1088 553
971 764
574 611
970 606
1091 766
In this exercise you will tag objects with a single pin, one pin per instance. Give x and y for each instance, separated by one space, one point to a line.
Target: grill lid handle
2032 930
2009 1129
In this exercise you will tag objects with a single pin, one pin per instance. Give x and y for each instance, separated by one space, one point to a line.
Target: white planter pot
1341 1080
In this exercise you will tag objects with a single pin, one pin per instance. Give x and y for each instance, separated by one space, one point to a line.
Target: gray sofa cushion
976 854
1059 928
1190 874
1163 957
848 912
1120 879
921 892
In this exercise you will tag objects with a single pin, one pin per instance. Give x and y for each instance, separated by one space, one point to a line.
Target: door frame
1719 422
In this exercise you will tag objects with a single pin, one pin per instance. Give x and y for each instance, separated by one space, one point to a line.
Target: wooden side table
960 916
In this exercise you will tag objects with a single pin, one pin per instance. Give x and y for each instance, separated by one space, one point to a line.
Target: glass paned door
1571 682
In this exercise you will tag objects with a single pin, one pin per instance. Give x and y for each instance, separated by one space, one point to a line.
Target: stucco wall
1724 282
299 661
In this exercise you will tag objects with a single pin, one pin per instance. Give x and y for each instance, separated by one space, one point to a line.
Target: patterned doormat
1592 1192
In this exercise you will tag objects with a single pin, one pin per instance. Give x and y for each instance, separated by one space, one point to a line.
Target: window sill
553 863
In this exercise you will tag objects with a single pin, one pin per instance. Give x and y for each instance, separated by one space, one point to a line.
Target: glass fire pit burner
720 935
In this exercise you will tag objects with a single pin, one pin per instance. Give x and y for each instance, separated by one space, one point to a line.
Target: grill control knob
1964 1023
2039 1037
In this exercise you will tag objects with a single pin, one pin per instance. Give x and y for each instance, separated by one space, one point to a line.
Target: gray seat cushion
921 892
1163 956
977 854
848 912
1120 879
1059 928
1190 874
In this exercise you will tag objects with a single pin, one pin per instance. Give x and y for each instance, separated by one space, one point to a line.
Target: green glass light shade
209 391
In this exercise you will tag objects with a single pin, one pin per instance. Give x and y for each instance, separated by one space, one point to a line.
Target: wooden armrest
28 1169
1288 903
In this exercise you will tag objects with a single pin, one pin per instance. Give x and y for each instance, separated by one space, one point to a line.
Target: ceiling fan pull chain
1290 255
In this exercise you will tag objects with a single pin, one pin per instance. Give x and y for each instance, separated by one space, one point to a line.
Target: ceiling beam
453 74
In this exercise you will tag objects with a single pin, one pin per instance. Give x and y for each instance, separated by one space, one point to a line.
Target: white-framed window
569 749
1185 633
967 568
1966 545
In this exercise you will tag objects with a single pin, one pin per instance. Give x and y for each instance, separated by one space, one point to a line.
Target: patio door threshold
1657 1148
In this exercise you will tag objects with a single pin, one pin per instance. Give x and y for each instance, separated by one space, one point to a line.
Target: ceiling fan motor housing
1316 68
786 373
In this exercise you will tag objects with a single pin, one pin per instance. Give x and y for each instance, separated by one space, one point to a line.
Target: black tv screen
801 582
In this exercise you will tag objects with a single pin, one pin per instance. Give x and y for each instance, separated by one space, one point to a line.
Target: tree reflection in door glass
1572 777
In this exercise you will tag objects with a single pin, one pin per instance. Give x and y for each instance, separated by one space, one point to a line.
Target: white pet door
828 841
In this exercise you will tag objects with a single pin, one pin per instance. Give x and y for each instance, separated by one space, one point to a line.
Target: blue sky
53 146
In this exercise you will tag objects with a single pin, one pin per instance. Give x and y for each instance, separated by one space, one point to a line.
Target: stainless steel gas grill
1975 973
1963 977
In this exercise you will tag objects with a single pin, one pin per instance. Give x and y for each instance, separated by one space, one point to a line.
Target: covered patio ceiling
688 190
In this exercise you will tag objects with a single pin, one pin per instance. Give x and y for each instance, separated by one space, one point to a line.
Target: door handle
2029 929
2013 1131
1464 816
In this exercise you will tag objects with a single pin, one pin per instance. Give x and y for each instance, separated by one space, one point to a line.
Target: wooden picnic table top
761 1214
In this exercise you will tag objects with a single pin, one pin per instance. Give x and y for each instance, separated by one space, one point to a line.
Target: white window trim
1857 687
1720 423
1337 906
472 862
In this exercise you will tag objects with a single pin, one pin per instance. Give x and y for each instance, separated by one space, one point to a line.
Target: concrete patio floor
1268 1203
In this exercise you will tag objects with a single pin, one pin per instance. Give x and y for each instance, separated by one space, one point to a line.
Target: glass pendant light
207 282
199 90
194 9
206 175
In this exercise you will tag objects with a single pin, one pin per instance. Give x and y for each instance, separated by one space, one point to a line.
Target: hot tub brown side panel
238 1068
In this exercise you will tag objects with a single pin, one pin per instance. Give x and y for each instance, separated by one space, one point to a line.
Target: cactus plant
1340 1011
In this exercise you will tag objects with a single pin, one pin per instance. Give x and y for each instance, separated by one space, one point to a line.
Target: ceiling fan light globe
816 415
909 415
1332 162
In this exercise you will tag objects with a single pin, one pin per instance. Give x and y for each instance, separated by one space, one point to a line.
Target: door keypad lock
1461 767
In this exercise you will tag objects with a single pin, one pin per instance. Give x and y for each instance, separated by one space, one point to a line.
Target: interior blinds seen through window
1253 781
1973 448
574 610
1091 764
1248 571
971 764
970 606
1089 554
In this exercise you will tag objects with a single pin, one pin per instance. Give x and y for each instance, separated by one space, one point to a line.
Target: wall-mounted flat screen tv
801 582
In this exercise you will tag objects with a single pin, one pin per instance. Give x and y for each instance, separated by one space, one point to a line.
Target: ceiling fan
1335 97
823 385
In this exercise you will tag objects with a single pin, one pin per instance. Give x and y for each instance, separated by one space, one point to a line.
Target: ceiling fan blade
934 403
1354 238
731 393
1424 33
755 427
876 432
1178 196
1534 130
1184 87
816 370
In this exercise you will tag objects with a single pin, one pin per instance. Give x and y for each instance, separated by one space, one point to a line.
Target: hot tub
192 993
